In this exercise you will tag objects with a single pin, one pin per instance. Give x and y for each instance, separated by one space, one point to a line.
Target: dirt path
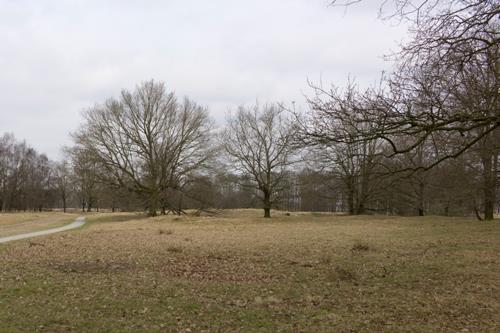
75 224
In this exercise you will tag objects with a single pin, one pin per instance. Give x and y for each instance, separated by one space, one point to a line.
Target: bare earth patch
238 272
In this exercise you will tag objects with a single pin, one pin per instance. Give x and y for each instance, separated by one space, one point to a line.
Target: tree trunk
476 211
267 204
421 191
361 208
489 187
181 203
350 201
153 203
89 205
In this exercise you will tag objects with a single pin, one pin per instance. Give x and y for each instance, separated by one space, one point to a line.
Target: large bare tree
452 43
257 141
146 140
444 89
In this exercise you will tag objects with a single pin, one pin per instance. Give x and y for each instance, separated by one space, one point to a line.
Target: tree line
424 141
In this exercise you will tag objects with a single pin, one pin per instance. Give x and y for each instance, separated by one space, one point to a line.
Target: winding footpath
75 224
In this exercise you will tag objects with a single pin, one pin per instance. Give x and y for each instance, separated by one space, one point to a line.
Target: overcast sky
59 57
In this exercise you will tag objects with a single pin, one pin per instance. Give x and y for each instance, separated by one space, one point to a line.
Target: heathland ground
239 272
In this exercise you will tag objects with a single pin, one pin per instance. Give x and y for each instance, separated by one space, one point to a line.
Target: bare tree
6 150
84 171
445 88
146 140
451 43
62 181
39 180
328 137
258 143
25 177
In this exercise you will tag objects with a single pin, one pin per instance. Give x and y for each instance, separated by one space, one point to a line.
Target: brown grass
238 272
18 223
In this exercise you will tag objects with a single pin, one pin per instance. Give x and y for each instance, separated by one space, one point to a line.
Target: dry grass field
18 223
238 272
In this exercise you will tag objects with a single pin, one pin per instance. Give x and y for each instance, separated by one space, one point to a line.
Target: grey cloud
58 58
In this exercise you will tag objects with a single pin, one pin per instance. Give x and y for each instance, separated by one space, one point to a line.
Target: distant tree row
29 181
327 179
25 176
